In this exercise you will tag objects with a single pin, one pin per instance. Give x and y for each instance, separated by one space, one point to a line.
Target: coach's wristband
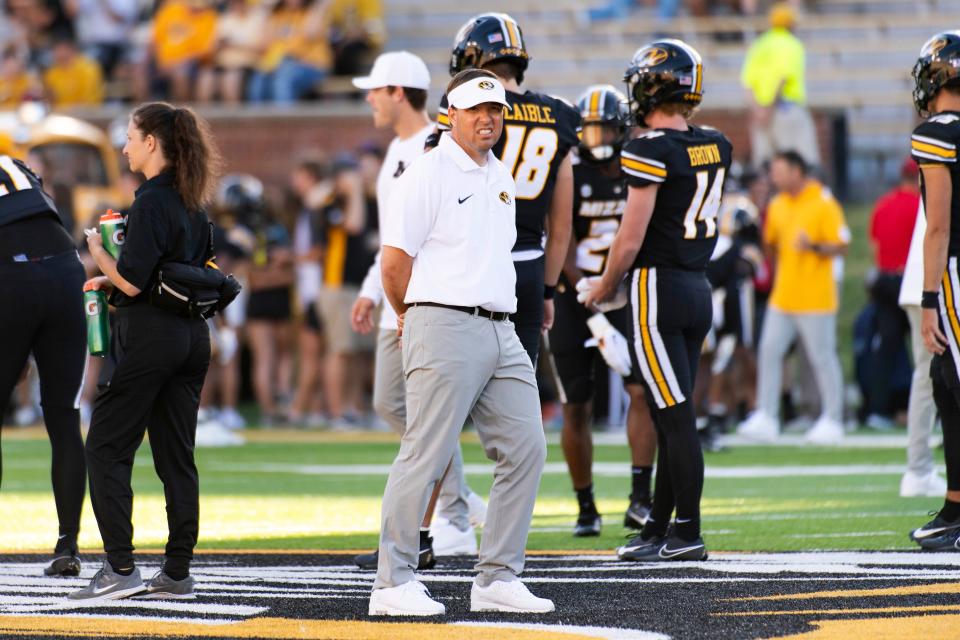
930 300
549 292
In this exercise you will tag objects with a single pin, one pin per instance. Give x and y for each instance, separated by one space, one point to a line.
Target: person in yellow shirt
358 34
297 54
184 37
774 76
17 83
73 78
804 232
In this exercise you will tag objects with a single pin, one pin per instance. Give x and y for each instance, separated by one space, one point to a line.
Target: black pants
892 329
161 363
529 316
670 312
43 314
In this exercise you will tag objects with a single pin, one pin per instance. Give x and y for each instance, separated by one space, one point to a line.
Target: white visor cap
477 91
396 69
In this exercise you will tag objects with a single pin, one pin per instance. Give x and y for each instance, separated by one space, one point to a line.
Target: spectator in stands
311 188
73 78
42 21
184 36
297 54
891 227
804 231
346 260
104 29
773 74
271 278
358 34
17 83
239 41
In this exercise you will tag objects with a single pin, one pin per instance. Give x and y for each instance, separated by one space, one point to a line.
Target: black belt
496 316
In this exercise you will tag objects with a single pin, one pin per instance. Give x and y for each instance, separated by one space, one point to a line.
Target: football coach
448 272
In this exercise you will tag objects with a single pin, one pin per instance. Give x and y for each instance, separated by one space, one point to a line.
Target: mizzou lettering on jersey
934 144
689 168
21 193
538 133
598 204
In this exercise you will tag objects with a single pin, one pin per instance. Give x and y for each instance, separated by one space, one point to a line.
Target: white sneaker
409 599
448 540
512 597
931 485
214 434
825 431
478 510
759 426
232 420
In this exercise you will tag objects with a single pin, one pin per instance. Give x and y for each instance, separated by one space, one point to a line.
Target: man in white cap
448 273
397 94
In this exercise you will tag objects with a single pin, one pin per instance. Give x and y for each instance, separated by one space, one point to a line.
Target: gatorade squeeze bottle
98 320
112 230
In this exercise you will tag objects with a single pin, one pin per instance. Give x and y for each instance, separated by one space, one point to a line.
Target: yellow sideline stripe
272 628
901 628
851 610
913 590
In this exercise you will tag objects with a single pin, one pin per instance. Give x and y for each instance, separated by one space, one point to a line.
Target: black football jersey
21 193
934 142
689 167
538 132
598 203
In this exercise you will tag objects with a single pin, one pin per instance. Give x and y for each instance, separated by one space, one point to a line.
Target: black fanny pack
191 291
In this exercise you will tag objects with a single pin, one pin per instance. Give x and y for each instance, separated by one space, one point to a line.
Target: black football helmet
665 71
487 37
602 106
937 67
241 196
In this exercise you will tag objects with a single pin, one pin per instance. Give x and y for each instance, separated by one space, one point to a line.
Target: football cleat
426 560
949 541
637 514
65 564
937 527
588 525
666 549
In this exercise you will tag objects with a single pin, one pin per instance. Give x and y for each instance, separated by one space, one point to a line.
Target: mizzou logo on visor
485 84
653 57
505 197
935 47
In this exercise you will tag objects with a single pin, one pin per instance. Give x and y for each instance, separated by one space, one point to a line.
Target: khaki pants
458 366
791 129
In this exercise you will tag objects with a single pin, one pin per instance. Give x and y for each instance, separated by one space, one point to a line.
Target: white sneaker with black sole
448 540
409 599
508 597
109 585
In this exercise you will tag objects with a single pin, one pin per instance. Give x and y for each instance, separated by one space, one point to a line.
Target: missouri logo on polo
505 197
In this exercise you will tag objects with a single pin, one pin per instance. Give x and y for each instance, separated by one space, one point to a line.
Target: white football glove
584 285
613 346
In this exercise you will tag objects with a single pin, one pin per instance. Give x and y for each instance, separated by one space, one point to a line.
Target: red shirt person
894 215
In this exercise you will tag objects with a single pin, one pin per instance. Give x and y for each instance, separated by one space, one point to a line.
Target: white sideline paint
607 469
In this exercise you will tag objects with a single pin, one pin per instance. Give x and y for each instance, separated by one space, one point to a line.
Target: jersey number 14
704 206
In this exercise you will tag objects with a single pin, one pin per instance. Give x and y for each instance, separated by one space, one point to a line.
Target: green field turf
253 497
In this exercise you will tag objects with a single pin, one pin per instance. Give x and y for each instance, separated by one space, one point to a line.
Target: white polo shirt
458 221
400 155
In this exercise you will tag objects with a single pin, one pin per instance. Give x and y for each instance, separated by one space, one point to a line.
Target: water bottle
113 228
98 320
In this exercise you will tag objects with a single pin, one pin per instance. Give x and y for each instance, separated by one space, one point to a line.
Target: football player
599 197
675 174
728 348
41 287
539 133
934 147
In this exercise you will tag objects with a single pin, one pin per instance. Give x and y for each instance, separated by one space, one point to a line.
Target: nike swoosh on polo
462 200
673 553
